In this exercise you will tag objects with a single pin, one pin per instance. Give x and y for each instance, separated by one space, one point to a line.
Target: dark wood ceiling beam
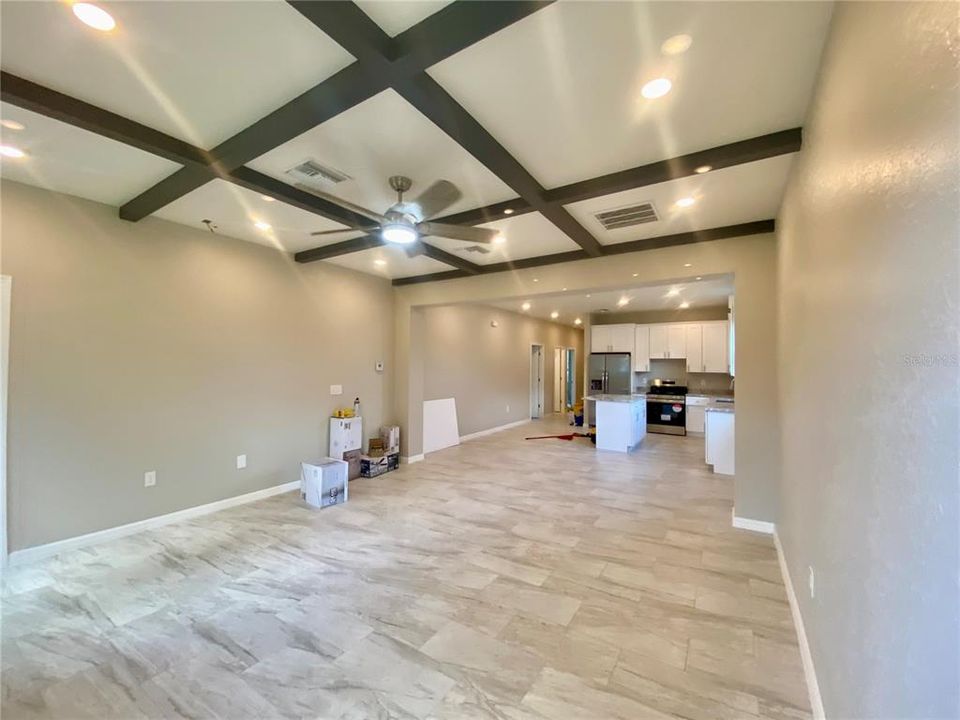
758 227
455 261
425 94
345 247
50 103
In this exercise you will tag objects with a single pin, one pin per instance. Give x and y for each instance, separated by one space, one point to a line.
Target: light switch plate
379 366
241 462
150 478
336 389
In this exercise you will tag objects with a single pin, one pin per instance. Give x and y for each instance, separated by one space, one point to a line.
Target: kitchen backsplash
677 370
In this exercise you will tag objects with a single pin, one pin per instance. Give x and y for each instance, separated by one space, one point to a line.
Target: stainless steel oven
667 410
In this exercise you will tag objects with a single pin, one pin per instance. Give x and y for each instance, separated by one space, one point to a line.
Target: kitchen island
621 421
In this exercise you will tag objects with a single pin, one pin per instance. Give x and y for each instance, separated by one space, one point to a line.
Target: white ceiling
386 136
738 194
395 16
397 263
560 89
200 71
65 159
710 291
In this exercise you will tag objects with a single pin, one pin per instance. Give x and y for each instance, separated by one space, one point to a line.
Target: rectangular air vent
313 172
628 216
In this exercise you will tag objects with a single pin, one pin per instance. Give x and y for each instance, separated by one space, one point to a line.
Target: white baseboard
39 552
491 431
760 526
813 687
411 459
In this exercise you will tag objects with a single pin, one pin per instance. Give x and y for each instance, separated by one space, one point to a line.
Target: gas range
666 409
667 393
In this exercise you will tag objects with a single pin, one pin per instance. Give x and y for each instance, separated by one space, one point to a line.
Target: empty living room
480 359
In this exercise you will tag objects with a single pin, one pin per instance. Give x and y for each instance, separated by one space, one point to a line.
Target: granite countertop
634 397
710 393
721 407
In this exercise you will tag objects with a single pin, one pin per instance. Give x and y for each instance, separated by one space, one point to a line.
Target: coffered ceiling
195 111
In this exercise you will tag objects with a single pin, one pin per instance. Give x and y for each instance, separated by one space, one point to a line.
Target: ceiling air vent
313 172
628 216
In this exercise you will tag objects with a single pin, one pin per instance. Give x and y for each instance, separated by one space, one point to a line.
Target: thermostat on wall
379 366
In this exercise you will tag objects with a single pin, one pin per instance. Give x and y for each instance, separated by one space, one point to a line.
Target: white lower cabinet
720 442
696 405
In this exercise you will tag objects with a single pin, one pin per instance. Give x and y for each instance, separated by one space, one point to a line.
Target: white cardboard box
324 482
345 434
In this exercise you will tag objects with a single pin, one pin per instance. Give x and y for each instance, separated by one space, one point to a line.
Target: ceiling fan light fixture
398 234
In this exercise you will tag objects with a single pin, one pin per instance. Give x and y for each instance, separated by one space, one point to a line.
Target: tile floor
500 579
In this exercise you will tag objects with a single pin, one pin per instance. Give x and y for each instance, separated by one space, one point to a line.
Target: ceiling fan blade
341 230
467 233
414 250
376 217
437 198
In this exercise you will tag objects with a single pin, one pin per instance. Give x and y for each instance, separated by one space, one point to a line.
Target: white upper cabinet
641 352
612 338
715 355
658 342
668 341
600 338
694 343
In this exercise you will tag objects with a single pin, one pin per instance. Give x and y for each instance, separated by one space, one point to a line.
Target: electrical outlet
150 478
241 462
336 389
811 581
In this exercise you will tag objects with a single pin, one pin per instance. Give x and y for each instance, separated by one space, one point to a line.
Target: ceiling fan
405 223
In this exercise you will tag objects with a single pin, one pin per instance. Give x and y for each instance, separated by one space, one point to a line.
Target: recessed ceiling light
588 294
577 321
261 225
11 152
684 305
699 277
267 198
563 289
673 292
499 239
380 263
636 274
676 45
685 202
623 301
688 264
536 279
525 306
703 169
94 16
554 315
508 211
11 124
656 88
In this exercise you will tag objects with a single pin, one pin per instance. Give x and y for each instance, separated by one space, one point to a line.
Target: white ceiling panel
526 236
66 159
381 137
703 293
396 264
234 210
734 195
200 71
561 89
395 16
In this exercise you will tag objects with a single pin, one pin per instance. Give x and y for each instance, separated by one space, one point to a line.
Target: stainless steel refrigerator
610 373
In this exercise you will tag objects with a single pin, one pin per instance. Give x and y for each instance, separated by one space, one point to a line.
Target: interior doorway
5 288
536 381
564 378
571 377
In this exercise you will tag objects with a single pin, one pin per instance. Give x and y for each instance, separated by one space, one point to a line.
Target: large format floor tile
501 579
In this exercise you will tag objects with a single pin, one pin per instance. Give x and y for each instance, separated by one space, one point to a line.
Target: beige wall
487 368
752 261
869 255
694 314
151 346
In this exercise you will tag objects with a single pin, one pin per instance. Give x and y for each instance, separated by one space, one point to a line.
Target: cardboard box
375 448
390 434
374 466
323 482
352 458
393 461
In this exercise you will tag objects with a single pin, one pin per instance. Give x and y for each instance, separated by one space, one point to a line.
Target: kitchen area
669 377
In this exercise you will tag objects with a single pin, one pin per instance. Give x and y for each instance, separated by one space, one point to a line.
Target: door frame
536 382
571 373
6 287
559 378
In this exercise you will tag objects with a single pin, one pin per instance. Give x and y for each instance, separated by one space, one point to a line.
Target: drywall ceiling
510 102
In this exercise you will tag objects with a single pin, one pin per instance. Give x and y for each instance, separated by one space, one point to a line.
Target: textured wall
868 363
488 368
151 346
